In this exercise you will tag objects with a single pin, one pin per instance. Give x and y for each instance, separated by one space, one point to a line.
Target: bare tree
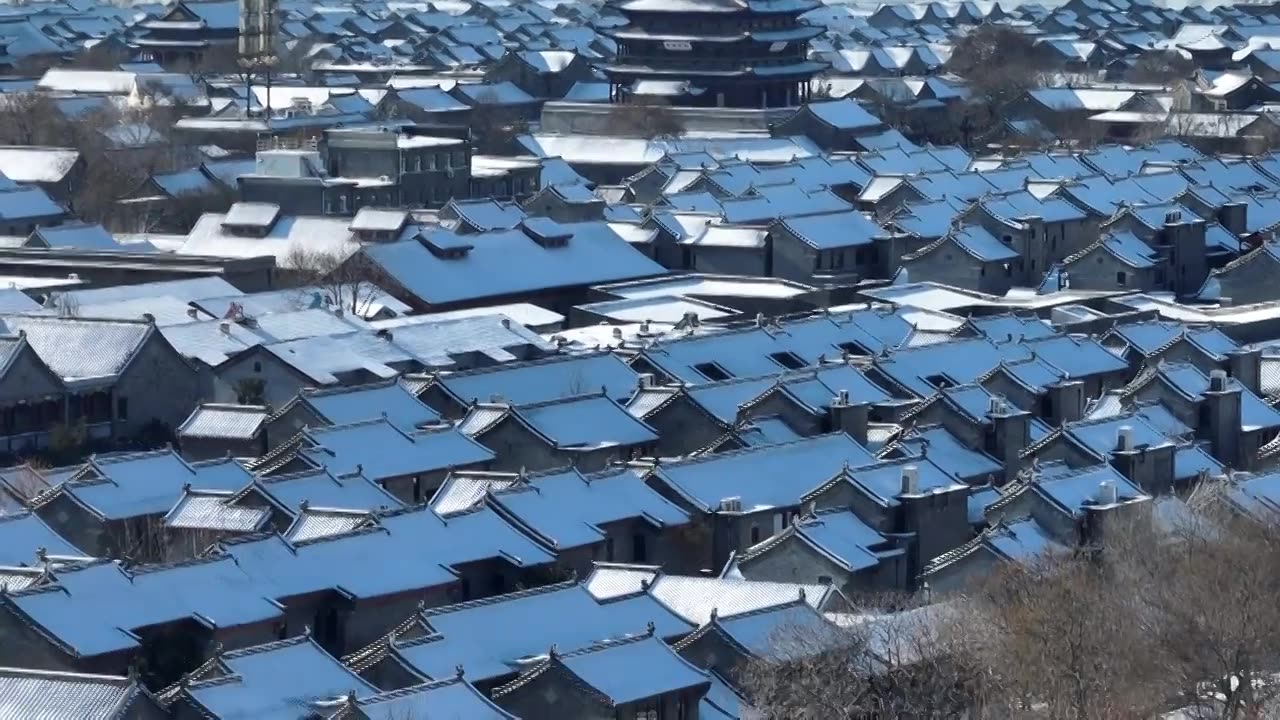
909 664
110 174
1150 620
1160 68
1063 638
28 118
1206 598
351 283
178 214
1000 64
251 391
494 128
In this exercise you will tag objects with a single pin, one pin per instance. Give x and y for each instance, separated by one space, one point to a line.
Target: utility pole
257 47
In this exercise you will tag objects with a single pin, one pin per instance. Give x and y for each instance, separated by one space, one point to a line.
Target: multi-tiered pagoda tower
714 53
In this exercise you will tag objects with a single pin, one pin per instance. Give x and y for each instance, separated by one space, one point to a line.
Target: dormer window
940 381
376 225
249 219
446 245
788 360
546 232
853 348
712 371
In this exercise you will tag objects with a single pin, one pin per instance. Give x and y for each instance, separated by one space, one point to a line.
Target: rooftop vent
910 480
1218 381
445 244
1107 494
1124 438
731 504
546 232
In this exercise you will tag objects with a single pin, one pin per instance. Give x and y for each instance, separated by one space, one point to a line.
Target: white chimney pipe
1107 493
910 480
1124 438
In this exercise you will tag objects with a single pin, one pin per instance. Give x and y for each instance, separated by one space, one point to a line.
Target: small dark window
940 381
1121 278
788 360
824 579
712 371
122 408
639 549
755 534
257 367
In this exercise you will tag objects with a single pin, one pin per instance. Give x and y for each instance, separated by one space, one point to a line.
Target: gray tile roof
609 580
78 349
224 422
464 491
212 511
46 695
323 522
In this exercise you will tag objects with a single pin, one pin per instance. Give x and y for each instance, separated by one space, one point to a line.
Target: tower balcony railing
695 62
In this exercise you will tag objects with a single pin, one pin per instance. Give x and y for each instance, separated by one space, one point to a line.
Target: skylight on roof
713 371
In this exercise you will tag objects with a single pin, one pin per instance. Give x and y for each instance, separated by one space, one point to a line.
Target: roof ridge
1246 258
373 653
798 601
1147 374
496 599
673 393
344 426
608 644
354 532
502 367
1043 442
563 400
683 462
186 562
412 689
1011 492
268 647
921 407
768 543
278 453
310 392
955 554
1269 450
